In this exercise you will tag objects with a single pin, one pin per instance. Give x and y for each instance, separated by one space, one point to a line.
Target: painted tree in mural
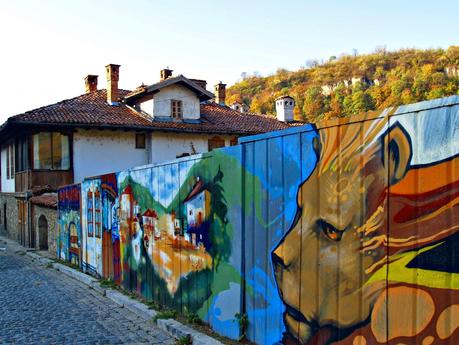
220 238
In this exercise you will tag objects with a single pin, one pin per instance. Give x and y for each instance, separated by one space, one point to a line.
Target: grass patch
107 283
49 265
166 314
154 305
193 319
185 340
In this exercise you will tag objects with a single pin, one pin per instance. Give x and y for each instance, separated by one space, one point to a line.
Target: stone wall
9 203
50 214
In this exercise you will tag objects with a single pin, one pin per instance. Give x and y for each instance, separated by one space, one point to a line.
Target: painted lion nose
278 257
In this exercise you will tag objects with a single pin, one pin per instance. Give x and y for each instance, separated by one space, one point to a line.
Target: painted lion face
323 262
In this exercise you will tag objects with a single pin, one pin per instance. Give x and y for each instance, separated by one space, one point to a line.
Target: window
233 141
51 151
90 215
176 109
140 140
215 143
98 214
10 161
22 154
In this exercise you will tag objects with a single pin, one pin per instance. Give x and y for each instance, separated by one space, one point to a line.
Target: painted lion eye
329 230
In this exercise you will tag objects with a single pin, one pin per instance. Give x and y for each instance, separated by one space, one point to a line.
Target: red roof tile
88 109
91 109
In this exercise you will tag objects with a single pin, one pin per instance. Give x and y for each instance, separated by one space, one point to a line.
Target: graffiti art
371 254
341 232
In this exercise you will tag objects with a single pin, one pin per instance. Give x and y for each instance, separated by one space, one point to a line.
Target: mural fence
338 233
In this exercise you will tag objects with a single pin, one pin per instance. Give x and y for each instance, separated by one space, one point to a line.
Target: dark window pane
140 140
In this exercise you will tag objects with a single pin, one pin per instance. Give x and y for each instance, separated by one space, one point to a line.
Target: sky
47 47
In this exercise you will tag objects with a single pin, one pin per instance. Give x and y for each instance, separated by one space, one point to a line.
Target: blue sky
49 46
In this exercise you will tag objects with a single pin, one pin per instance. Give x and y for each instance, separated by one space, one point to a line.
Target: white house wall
167 146
98 152
7 184
190 103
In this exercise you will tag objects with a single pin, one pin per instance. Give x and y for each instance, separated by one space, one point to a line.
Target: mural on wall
336 235
175 237
69 228
371 256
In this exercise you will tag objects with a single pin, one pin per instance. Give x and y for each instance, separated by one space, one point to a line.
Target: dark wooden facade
26 177
26 180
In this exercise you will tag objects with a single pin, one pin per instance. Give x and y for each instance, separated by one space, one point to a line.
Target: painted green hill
143 196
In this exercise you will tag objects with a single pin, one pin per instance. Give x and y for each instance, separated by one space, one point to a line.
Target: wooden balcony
26 180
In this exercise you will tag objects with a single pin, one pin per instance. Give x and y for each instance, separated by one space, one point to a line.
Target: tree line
351 84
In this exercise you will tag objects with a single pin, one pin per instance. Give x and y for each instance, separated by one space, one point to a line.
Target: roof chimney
165 73
113 72
202 83
90 83
284 108
220 93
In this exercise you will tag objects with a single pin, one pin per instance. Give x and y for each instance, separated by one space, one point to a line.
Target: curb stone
96 286
39 258
134 306
81 277
179 330
171 326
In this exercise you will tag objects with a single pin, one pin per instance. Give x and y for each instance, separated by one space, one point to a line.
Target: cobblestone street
38 305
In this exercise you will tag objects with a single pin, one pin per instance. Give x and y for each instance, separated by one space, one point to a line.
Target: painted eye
329 230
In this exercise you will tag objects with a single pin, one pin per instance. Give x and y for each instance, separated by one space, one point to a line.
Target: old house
107 130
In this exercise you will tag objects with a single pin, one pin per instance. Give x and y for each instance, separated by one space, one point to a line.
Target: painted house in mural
197 207
65 142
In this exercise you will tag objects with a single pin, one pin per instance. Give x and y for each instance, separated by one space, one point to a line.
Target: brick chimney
90 83
165 74
220 93
112 83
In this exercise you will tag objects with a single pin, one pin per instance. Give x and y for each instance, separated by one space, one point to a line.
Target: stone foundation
9 221
50 215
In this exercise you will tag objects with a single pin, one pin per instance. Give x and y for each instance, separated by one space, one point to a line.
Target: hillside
353 84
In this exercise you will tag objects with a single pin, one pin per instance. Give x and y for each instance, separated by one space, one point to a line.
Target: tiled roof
91 109
192 85
88 109
235 121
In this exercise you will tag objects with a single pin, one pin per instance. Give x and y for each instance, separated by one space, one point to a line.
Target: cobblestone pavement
38 305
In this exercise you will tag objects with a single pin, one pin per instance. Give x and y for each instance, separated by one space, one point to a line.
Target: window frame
137 143
97 214
22 154
90 214
176 109
10 160
32 151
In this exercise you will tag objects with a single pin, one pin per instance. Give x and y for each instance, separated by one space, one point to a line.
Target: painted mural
340 233
370 257
175 237
69 227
